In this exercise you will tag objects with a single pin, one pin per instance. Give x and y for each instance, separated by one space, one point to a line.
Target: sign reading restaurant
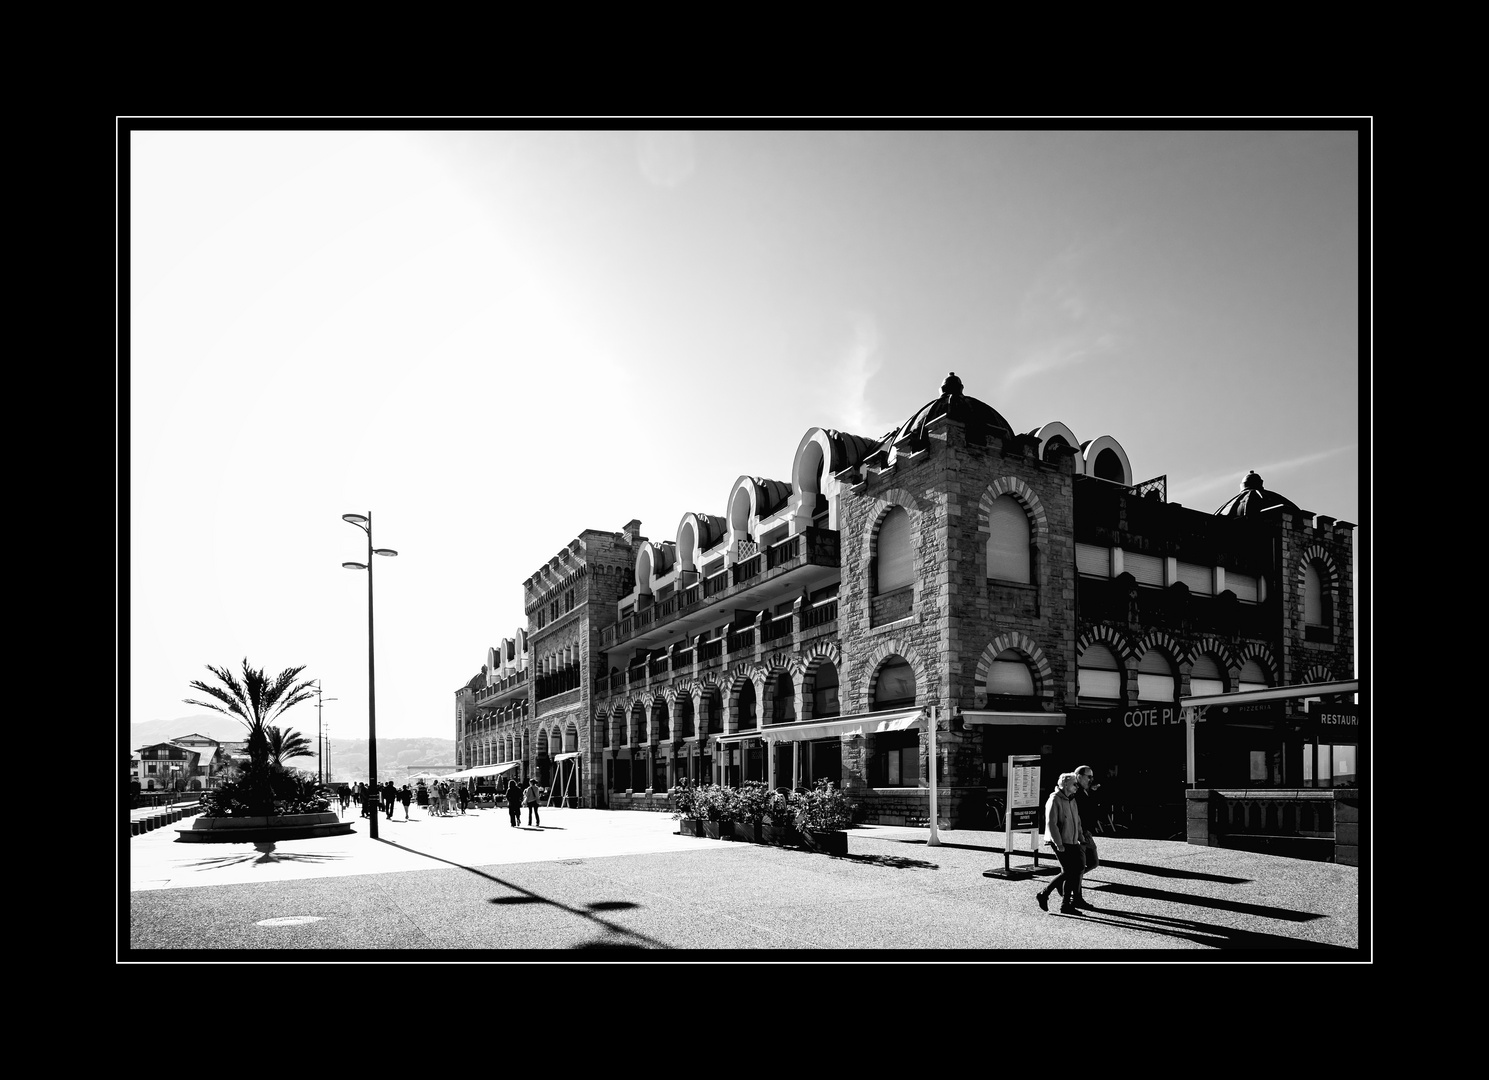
1336 723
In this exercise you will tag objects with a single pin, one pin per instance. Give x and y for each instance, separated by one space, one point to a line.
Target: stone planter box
782 835
828 843
747 833
714 830
689 827
237 830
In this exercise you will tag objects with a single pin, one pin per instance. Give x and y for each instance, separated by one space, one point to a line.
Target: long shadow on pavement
1286 914
1138 868
1220 937
527 896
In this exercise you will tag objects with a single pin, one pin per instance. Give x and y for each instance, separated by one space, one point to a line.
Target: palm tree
255 701
288 743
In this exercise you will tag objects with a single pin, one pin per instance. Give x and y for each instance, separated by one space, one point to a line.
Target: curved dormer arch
1054 434
696 533
1105 459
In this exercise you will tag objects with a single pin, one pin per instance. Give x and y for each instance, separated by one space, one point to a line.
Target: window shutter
1252 676
1008 541
1200 579
1010 675
1155 677
895 569
1098 675
1243 585
1093 560
1313 598
896 682
1205 676
1147 569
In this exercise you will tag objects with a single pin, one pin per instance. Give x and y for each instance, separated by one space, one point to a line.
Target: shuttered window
895 569
895 685
1010 675
1008 541
1253 677
1313 597
1200 579
1243 585
1093 560
1099 678
1155 677
1146 569
1205 677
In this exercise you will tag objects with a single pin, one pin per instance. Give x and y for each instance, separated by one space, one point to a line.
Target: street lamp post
320 773
364 522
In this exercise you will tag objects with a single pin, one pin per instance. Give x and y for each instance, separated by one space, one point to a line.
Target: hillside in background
396 758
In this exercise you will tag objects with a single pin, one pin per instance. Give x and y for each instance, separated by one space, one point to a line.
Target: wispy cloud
1273 474
857 363
1059 323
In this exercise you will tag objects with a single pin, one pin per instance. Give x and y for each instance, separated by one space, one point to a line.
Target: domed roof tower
1253 498
979 418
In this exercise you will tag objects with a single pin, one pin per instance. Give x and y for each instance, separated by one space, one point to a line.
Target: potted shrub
780 812
750 803
685 810
710 809
821 815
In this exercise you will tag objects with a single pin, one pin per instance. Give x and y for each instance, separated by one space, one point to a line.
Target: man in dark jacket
1085 802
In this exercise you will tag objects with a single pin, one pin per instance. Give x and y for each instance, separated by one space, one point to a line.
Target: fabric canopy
1035 719
876 723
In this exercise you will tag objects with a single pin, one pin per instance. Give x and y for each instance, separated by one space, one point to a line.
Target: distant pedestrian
530 797
421 793
1063 832
464 798
405 796
514 803
390 798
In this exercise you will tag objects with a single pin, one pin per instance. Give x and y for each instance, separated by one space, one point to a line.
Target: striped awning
874 723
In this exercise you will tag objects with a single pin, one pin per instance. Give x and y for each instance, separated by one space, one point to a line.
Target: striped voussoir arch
894 647
1109 636
1012 485
1255 650
1029 648
1213 646
1160 639
1317 553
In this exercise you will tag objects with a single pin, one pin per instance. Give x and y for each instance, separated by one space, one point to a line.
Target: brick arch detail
1215 647
1033 506
885 649
1255 650
821 652
1319 673
1105 635
1317 553
1160 639
1045 688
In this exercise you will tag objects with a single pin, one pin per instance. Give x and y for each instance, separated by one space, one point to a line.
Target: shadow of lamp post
364 522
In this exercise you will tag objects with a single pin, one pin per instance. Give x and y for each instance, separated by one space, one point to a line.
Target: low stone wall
1308 823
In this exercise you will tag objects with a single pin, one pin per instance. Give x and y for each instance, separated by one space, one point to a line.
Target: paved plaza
598 885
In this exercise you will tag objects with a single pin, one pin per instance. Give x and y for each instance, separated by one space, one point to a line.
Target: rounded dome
1253 498
978 416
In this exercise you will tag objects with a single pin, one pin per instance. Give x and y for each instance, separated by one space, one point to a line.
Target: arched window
895 687
784 706
1008 541
1109 466
825 692
1313 597
894 568
1010 681
747 705
1253 676
1155 677
1206 676
1099 676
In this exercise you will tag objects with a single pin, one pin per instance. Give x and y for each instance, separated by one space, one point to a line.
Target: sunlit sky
493 340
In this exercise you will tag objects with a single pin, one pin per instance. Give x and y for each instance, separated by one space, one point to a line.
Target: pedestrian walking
405 796
514 803
530 797
390 798
421 793
464 798
1085 802
346 798
1063 832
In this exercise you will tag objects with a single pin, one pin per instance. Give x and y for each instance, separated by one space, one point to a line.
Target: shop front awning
803 730
483 770
563 757
1014 719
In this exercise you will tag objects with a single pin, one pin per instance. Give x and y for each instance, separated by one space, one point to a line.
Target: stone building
1023 590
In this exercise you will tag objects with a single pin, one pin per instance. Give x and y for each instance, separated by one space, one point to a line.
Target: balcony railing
819 613
711 650
818 547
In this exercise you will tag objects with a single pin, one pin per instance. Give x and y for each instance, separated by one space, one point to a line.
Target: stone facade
811 632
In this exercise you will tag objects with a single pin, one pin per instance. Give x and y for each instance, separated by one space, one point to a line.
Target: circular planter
236 830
